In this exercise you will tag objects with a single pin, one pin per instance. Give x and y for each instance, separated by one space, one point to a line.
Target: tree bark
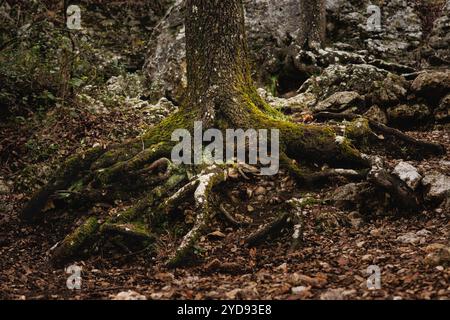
312 23
216 55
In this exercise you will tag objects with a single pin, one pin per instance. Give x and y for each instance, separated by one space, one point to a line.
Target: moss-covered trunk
216 54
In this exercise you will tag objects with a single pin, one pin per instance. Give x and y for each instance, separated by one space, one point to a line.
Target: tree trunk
216 54
312 23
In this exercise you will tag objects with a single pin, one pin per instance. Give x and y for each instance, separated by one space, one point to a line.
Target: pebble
375 232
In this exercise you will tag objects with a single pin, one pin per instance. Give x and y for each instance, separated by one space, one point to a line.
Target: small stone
4 188
333 294
260 191
375 232
409 238
423 233
360 244
341 101
376 114
250 208
129 295
403 114
300 290
438 255
216 235
435 247
355 219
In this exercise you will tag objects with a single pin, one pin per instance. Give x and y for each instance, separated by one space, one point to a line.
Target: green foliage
42 63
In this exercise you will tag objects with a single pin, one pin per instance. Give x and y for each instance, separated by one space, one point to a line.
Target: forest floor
331 262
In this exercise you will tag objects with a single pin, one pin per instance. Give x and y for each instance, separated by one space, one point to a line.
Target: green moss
84 234
357 129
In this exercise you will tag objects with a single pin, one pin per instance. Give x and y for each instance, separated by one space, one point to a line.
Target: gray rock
408 174
376 114
439 39
406 115
397 40
437 186
352 196
414 237
300 102
272 26
338 78
409 238
390 91
432 85
341 101
442 113
300 290
348 192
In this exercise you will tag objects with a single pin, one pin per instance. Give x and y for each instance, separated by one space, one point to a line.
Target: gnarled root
140 169
204 183
415 148
289 217
62 179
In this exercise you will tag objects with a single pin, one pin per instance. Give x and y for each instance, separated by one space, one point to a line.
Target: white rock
414 237
299 290
408 174
423 233
129 295
437 186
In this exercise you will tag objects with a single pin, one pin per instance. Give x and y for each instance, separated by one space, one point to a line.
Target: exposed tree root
62 180
140 169
421 148
291 217
207 179
229 217
265 230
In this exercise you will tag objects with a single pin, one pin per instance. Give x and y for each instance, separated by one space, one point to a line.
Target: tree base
313 154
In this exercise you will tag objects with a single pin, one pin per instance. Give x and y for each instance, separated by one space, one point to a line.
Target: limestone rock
432 85
437 186
442 113
408 174
375 113
405 115
341 101
129 295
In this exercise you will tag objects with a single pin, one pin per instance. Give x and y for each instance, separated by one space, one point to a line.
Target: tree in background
312 23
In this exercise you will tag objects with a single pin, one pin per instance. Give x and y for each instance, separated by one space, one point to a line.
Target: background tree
222 95
312 23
